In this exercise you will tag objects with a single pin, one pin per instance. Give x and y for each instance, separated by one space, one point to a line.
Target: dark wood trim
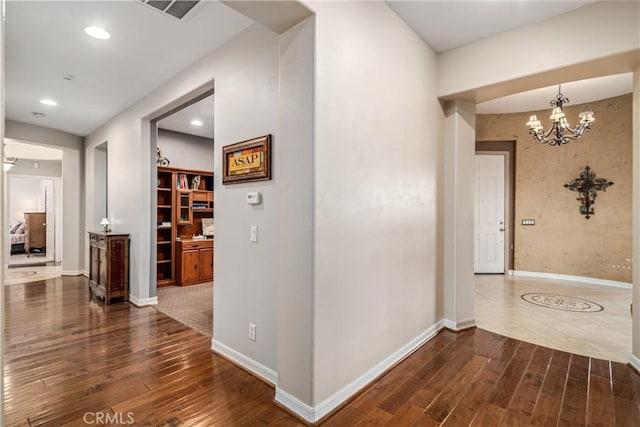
510 147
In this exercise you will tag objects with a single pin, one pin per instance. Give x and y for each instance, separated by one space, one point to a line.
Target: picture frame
247 161
207 227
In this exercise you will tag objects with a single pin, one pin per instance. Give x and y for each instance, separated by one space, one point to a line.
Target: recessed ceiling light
47 101
196 122
97 33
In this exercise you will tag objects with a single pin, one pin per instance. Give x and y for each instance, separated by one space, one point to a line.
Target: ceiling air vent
175 8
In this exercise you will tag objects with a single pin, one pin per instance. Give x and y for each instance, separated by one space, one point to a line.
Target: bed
18 235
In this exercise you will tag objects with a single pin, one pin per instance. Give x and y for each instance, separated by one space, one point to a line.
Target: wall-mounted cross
588 186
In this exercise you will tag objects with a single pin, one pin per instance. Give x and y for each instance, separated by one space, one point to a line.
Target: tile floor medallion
562 302
17 276
603 334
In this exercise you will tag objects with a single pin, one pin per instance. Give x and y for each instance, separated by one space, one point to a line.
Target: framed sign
247 161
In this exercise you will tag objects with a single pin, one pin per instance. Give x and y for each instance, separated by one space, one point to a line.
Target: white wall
45 168
459 182
245 71
295 223
25 195
377 138
186 151
72 186
602 38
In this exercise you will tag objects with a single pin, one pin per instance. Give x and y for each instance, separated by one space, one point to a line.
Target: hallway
67 357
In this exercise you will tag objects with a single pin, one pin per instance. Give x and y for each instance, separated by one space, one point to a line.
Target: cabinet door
117 264
102 266
185 200
94 267
190 270
206 264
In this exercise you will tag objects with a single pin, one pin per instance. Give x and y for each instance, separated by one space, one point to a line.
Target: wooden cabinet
194 261
184 198
109 265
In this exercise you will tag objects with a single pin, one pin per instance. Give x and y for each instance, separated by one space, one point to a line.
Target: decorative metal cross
588 186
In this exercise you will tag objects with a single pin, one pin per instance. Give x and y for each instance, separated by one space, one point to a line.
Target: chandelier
561 132
8 163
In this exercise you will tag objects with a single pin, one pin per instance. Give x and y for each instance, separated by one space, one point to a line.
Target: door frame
58 213
507 150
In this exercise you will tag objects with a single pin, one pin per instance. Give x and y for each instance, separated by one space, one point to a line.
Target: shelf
164 243
203 210
165 282
164 189
164 206
163 261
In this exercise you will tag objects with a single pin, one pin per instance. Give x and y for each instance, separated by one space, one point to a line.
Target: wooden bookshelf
181 206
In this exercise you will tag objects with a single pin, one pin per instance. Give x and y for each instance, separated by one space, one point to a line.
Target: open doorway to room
33 200
569 286
184 214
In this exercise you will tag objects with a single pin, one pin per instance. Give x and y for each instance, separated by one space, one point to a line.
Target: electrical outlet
252 332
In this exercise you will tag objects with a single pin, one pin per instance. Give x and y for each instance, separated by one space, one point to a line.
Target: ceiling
45 40
445 25
180 121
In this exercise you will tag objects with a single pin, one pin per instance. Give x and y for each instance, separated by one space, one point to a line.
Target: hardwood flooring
69 362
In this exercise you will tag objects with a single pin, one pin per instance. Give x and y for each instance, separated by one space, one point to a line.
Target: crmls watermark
108 418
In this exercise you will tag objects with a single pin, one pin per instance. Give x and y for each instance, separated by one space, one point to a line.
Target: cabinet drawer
195 244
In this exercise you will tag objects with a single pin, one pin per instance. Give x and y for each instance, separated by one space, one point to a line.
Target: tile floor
604 334
16 276
17 260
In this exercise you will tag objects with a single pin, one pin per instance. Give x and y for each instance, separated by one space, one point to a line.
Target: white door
49 208
489 226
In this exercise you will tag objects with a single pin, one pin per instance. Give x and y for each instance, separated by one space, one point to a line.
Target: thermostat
253 198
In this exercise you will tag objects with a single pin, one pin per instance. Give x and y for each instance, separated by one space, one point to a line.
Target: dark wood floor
67 359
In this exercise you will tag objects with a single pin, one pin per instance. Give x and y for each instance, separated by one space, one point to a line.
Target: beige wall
563 241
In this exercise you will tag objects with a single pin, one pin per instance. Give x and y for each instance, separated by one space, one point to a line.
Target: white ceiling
445 25
579 92
180 121
45 39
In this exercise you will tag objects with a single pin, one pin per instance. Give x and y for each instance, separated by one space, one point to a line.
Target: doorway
494 206
184 211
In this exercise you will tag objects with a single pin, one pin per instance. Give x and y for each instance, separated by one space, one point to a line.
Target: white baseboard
460 325
635 362
589 280
85 273
258 369
141 302
72 272
314 414
296 406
